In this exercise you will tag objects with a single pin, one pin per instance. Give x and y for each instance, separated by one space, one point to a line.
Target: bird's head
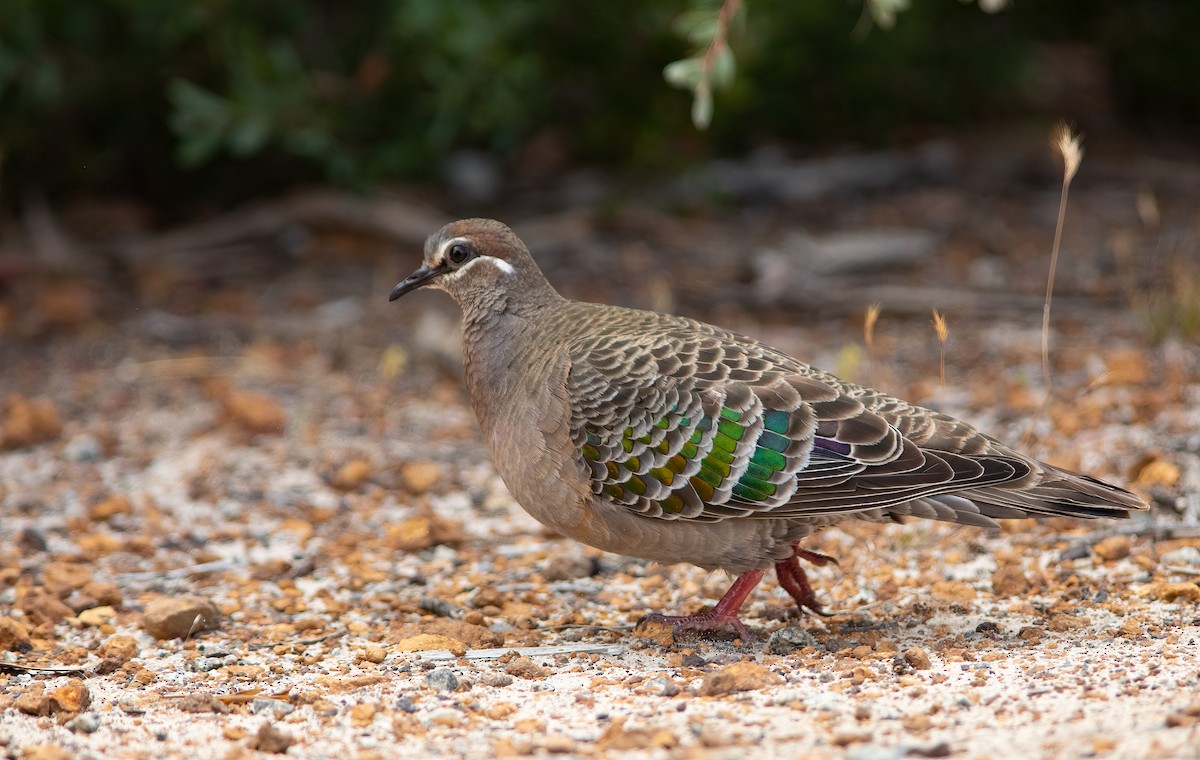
481 263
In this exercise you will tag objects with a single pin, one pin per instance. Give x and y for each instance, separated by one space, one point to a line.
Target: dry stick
1071 151
716 46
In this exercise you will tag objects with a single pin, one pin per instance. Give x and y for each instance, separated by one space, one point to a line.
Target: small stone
72 697
27 422
277 707
445 716
14 637
116 504
442 679
428 642
46 752
1188 716
119 648
1008 580
351 475
417 533
473 636
617 738
104 593
96 616
254 412
567 567
372 653
405 704
271 739
83 449
60 577
363 714
1158 472
34 700
1113 548
497 679
523 667
201 703
1061 621
788 640
1031 634
740 676
557 744
500 710
1171 592
420 477
917 658
660 687
84 723
655 630
180 617
953 591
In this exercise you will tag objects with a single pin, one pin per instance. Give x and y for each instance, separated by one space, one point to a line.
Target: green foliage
222 98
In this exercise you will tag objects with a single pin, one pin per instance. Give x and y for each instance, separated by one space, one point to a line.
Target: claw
794 580
723 615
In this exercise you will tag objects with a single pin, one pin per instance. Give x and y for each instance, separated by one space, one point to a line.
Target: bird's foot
794 581
814 558
723 615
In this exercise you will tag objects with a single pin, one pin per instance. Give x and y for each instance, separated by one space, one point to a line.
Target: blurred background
206 174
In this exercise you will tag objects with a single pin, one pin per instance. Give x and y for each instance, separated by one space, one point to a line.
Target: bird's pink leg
723 615
794 580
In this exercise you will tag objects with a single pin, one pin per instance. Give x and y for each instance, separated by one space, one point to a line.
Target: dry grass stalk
869 338
1070 148
943 332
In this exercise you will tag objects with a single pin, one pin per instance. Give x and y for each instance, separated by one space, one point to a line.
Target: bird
671 440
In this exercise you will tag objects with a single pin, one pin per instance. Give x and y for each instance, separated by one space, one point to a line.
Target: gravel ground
211 557
252 514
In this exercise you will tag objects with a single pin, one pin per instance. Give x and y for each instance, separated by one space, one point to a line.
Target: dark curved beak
422 276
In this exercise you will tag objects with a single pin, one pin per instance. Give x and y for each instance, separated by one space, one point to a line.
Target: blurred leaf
884 11
702 107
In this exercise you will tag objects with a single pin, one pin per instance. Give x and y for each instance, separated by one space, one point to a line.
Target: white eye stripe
500 264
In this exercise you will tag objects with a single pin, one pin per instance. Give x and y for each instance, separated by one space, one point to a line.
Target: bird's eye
458 253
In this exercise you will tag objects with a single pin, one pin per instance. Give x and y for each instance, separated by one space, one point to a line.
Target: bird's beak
423 276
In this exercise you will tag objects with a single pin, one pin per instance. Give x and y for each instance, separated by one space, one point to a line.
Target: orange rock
351 475
420 477
428 642
14 637
28 421
917 658
657 631
422 532
740 676
1113 548
953 591
618 738
72 697
1157 472
254 412
1171 592
1008 580
179 617
523 667
61 577
115 504
1126 367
